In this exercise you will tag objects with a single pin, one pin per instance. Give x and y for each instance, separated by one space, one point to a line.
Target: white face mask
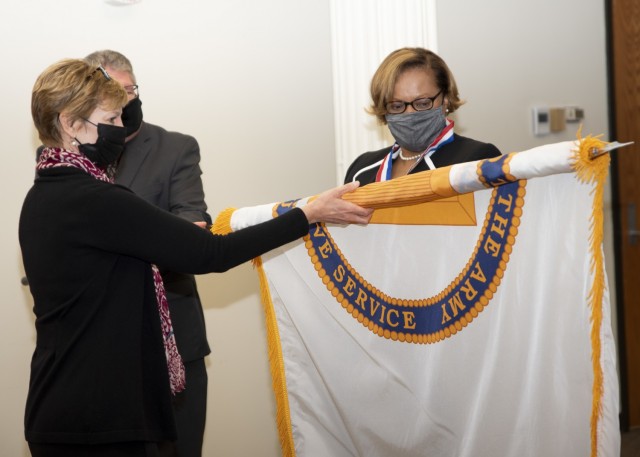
415 132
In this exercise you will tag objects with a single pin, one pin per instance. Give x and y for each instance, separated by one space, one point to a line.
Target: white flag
474 325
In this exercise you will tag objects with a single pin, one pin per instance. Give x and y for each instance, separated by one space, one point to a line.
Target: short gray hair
111 59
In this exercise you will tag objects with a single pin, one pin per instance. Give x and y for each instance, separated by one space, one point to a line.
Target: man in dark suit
163 168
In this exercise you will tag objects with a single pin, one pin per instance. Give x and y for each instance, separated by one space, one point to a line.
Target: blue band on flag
431 319
494 172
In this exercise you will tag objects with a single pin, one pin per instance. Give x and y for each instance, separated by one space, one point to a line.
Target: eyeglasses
419 104
132 91
87 120
101 70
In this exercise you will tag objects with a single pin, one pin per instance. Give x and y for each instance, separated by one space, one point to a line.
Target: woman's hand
330 207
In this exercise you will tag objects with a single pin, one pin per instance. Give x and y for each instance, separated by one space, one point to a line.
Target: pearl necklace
409 158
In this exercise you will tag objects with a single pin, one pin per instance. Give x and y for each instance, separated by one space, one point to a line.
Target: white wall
509 56
252 81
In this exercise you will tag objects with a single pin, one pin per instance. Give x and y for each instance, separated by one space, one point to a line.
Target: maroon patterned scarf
57 157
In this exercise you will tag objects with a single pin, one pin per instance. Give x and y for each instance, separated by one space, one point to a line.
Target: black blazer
461 149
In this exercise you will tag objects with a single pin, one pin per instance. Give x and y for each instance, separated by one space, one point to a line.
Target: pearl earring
74 143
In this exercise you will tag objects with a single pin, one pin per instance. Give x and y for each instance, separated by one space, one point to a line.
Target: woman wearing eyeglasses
106 364
412 92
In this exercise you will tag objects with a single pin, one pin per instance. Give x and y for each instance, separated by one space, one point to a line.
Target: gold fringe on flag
222 226
276 363
594 170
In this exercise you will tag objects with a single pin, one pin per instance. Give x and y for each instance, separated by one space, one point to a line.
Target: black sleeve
123 223
490 151
186 195
462 150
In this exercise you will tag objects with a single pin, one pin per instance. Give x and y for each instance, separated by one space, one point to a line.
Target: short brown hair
385 78
73 87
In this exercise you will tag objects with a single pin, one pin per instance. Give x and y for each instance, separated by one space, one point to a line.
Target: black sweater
99 373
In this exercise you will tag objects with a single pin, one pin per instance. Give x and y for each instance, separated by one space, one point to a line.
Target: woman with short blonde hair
106 363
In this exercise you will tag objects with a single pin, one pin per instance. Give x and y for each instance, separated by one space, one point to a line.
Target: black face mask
107 148
132 116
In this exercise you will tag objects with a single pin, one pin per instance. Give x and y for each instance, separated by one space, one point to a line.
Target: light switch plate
541 120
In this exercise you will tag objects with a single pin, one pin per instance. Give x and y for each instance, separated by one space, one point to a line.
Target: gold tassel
589 170
222 224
